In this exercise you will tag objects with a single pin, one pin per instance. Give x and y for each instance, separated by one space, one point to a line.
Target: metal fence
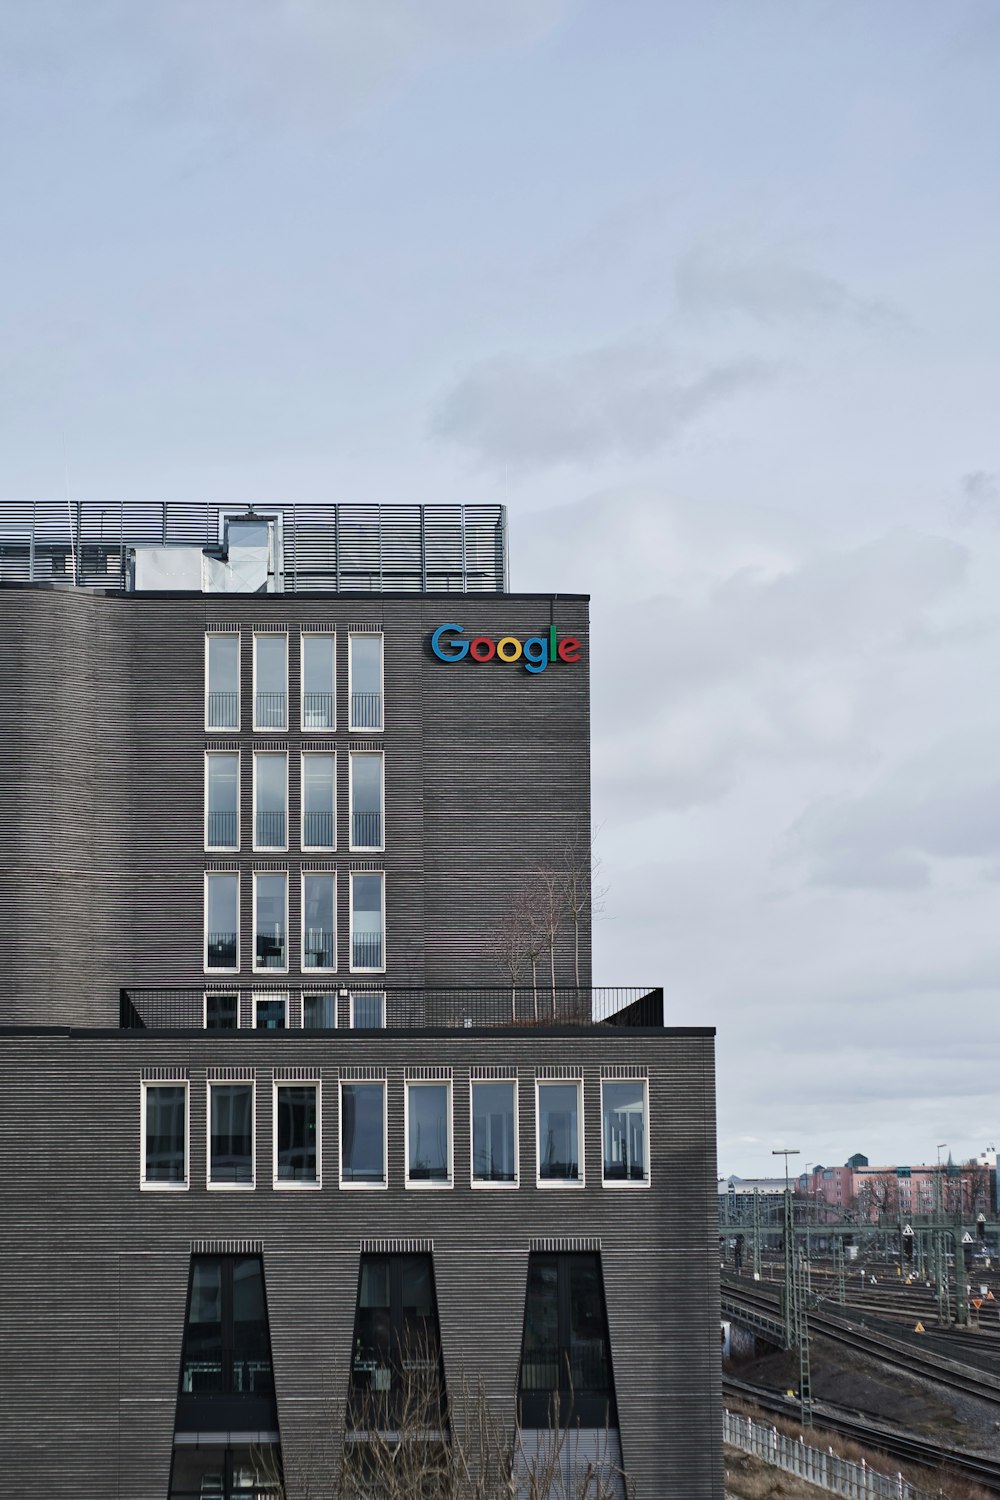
820 1466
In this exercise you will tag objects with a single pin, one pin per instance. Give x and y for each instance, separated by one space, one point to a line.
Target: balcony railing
366 950
317 710
269 830
317 830
366 830
270 711
221 952
444 1008
318 948
223 711
223 829
366 710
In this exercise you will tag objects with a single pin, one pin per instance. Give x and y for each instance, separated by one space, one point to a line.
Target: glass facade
362 1133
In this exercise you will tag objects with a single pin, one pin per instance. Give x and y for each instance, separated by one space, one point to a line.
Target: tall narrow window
365 681
296 1135
164 1135
270 799
270 902
362 1134
319 1011
560 1157
230 1135
367 922
428 1135
222 800
368 1010
565 1377
222 897
319 923
222 681
494 1132
624 1119
366 800
318 701
319 800
396 1371
227 1380
270 682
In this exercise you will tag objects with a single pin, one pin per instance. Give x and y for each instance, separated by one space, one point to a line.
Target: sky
707 295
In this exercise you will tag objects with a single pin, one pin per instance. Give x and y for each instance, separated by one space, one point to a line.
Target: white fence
820 1466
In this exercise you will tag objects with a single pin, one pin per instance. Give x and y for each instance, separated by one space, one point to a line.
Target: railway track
889 1440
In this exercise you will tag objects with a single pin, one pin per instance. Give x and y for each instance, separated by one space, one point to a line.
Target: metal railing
317 711
223 711
366 830
819 1466
556 1367
366 951
318 949
222 830
269 830
221 952
433 1008
270 711
366 711
317 830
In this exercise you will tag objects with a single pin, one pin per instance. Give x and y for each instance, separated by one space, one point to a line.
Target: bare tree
584 898
551 909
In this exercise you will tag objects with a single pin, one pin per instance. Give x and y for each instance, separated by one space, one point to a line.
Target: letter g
448 650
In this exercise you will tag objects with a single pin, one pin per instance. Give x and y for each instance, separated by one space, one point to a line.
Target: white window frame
267 996
269 848
223 848
371 754
281 1185
350 924
316 875
351 994
309 755
165 1187
269 635
560 1183
214 992
426 1185
482 1182
363 1187
617 1183
353 728
270 968
225 875
229 728
231 1187
324 635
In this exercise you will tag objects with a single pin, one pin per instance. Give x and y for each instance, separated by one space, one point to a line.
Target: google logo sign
536 652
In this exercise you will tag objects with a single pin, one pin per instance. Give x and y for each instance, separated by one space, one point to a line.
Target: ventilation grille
232 1074
558 1070
566 1245
166 1074
397 1247
624 1070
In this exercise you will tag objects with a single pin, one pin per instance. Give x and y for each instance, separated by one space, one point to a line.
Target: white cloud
769 288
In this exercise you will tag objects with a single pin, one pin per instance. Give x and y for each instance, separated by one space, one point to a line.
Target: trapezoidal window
565 1377
397 1377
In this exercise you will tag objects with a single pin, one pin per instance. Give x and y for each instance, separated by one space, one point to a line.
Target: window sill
231 1187
364 1187
296 1187
164 1187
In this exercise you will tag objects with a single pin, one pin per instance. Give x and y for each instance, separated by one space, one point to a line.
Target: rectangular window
364 687
319 925
428 1135
230 1135
221 1011
164 1135
560 1113
270 799
222 927
319 1012
270 1012
222 681
222 800
318 682
368 1010
494 1132
270 921
270 682
362 1135
296 1135
319 800
367 922
366 783
625 1123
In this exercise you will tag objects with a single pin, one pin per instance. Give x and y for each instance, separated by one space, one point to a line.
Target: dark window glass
368 1009
427 1153
559 1132
297 1117
397 1345
221 1012
319 1011
166 1117
565 1355
215 1473
493 1139
270 1015
362 1124
226 1384
232 1133
624 1120
271 938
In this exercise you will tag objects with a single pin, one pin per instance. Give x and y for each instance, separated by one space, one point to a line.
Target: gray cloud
979 499
769 289
625 399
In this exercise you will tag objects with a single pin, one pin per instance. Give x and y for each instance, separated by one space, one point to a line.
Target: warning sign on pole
966 1238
